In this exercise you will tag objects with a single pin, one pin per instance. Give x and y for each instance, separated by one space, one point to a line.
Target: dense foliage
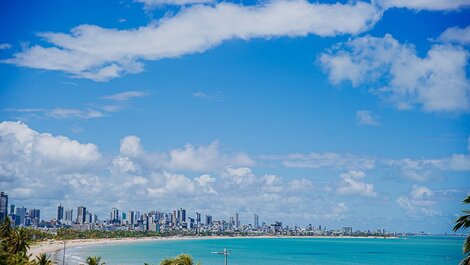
463 222
15 242
67 234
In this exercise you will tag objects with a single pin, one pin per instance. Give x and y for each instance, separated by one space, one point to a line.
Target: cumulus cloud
419 201
437 82
352 183
43 152
204 158
365 117
456 35
432 5
417 169
100 54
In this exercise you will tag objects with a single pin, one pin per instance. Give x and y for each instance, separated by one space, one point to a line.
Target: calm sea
277 251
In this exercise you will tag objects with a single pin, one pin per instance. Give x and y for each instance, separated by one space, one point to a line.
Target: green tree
5 228
43 259
94 261
18 241
182 259
463 222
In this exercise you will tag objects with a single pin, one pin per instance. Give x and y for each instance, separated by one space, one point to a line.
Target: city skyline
353 112
176 221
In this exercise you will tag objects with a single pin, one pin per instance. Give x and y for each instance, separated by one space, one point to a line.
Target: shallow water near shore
276 251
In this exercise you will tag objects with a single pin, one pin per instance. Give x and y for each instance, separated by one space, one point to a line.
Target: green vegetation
15 242
67 234
43 259
182 259
463 222
94 261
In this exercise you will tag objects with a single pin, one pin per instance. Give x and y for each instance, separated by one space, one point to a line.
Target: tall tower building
182 215
20 213
69 216
237 222
198 218
115 215
131 217
35 215
3 206
60 213
208 220
255 221
81 211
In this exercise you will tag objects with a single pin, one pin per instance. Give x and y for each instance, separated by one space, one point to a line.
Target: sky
350 113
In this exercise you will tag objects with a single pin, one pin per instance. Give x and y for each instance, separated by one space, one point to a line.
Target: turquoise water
274 251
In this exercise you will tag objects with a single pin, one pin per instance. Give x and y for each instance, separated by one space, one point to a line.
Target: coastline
52 246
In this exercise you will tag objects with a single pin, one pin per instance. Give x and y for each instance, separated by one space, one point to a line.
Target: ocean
277 251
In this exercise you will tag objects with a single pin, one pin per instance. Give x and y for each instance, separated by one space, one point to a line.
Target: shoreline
52 246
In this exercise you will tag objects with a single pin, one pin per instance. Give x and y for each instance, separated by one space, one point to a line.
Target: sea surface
277 251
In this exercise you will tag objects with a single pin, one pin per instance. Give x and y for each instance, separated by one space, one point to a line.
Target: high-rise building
20 213
198 218
35 215
60 213
255 221
12 209
208 220
88 217
3 206
81 211
131 217
69 216
181 215
115 215
174 219
237 221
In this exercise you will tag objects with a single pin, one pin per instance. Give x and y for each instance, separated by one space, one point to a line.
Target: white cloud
218 96
101 54
204 158
241 176
5 46
456 35
64 113
419 201
365 117
437 82
131 146
433 5
127 95
155 3
320 160
174 185
24 151
460 162
300 185
352 184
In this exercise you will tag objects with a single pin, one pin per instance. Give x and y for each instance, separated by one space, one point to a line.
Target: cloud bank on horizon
78 173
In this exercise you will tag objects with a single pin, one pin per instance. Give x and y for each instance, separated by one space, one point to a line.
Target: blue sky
348 113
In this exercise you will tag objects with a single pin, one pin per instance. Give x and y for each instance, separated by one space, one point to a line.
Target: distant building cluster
177 221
